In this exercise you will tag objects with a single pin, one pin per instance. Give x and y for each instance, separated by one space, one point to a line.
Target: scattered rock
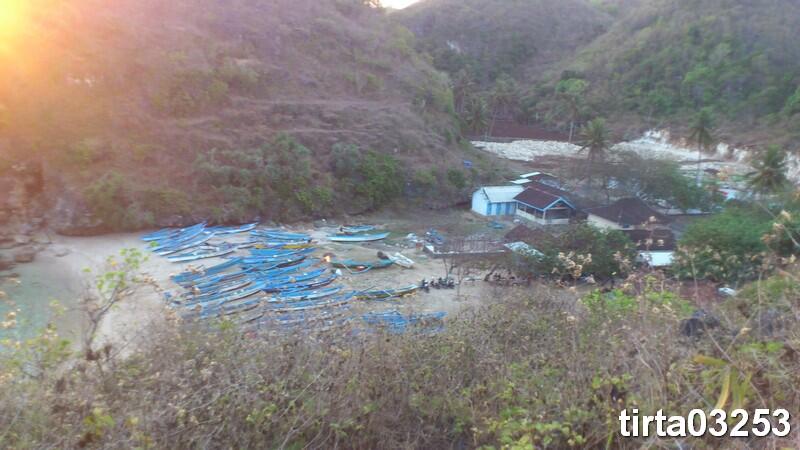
61 252
25 255
767 322
6 263
697 325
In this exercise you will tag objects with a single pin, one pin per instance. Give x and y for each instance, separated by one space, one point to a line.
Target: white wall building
496 200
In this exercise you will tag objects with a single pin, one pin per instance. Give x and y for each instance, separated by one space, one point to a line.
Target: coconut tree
476 114
770 171
701 134
595 140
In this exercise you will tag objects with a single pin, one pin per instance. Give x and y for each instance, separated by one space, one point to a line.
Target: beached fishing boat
361 266
401 260
201 272
301 285
279 235
221 231
304 295
355 229
387 293
312 304
200 239
173 233
358 237
203 253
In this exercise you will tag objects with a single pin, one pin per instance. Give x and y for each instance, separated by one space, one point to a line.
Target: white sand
71 257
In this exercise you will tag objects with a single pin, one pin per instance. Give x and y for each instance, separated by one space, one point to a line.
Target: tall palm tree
701 134
476 114
770 173
595 139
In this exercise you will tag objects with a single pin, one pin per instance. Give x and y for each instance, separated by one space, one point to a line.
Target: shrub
725 247
456 178
583 250
381 179
109 199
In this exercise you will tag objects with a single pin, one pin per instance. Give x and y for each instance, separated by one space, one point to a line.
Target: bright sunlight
13 18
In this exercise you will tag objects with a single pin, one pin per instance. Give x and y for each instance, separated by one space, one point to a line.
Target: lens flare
12 16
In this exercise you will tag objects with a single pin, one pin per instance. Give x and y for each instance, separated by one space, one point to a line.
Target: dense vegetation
542 369
123 102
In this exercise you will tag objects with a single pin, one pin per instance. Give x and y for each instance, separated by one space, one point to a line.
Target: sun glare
13 18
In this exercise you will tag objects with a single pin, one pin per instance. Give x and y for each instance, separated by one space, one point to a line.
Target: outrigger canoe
360 266
202 253
387 293
401 260
358 237
355 229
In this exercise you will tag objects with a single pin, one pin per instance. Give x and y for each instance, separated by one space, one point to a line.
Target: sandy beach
68 266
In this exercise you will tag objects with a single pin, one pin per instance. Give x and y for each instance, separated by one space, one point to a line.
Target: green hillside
640 63
147 113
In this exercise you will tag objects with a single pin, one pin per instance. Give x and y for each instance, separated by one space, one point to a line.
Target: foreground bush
540 370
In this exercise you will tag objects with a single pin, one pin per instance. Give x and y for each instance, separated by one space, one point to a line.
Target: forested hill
488 38
148 112
646 63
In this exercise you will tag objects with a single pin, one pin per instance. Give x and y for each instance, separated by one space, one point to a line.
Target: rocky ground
653 145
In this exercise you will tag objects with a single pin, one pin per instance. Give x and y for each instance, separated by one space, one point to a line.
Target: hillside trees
570 94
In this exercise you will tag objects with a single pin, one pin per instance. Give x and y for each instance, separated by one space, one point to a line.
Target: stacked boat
268 278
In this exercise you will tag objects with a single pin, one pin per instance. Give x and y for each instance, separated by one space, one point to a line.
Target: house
625 214
496 200
545 205
655 248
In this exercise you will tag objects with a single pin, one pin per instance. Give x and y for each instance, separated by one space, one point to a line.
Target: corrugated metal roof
501 194
629 212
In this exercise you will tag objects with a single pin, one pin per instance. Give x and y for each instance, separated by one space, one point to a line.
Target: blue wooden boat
211 306
387 293
312 304
210 281
361 266
355 229
186 244
304 295
358 237
279 235
217 293
201 272
221 231
172 233
202 253
298 286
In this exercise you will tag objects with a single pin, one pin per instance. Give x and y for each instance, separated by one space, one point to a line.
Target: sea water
43 293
